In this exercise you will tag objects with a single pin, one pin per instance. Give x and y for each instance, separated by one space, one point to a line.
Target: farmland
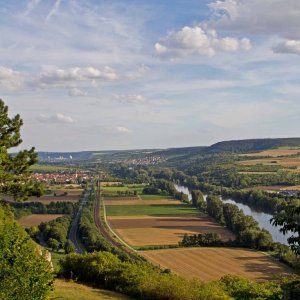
151 210
152 220
281 151
167 230
212 263
36 219
59 195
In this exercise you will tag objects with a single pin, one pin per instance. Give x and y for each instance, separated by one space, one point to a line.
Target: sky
134 74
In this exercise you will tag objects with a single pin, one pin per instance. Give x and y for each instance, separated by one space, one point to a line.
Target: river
262 218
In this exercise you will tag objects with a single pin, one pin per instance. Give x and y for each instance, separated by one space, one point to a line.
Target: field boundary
113 232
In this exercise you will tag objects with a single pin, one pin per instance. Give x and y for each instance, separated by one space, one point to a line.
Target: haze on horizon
136 74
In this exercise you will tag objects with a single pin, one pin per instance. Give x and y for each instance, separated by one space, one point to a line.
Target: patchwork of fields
212 263
158 221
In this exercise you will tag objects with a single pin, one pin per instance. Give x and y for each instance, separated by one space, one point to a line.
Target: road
102 228
74 226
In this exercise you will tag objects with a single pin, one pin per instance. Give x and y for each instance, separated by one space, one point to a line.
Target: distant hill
252 145
235 146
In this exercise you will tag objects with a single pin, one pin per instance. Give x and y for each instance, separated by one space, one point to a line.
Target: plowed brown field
37 219
212 263
148 230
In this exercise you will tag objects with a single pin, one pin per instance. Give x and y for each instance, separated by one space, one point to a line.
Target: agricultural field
166 230
69 290
210 264
154 197
281 151
158 221
48 168
114 190
151 210
59 195
37 219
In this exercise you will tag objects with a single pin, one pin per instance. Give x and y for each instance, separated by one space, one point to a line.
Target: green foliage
69 247
288 218
56 231
140 280
14 169
241 288
202 240
24 273
198 200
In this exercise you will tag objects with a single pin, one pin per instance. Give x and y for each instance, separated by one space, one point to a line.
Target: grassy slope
67 290
151 210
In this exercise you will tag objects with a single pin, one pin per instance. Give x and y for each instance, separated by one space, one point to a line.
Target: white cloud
76 92
128 98
289 46
56 75
54 119
122 130
197 41
10 79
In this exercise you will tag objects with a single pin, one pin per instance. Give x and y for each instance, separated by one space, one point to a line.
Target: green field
155 197
68 290
113 190
151 210
48 168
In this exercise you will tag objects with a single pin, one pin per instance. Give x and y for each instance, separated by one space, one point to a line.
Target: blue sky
91 75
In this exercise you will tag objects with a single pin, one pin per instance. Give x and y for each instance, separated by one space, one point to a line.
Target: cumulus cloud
58 118
56 75
75 92
289 46
11 79
197 41
121 130
128 98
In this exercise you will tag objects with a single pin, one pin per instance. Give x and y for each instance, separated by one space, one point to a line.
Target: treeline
143 281
55 233
248 234
91 237
164 187
210 239
23 208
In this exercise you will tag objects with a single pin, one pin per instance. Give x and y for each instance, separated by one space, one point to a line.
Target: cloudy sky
92 75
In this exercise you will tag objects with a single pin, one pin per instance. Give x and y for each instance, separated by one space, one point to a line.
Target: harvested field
48 199
147 230
37 219
121 198
275 152
151 210
210 264
140 202
282 161
279 187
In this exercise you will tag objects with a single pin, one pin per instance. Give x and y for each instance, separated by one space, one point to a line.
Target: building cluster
62 177
152 160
